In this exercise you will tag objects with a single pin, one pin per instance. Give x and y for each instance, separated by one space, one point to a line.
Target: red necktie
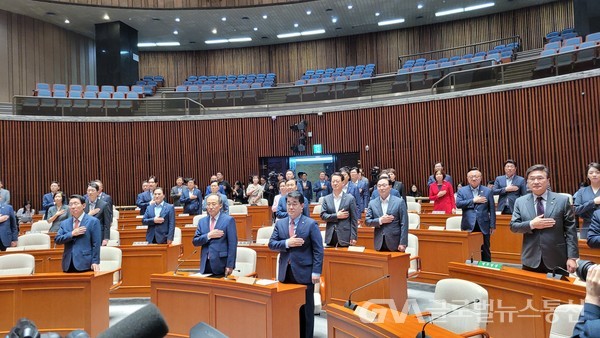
213 222
76 223
291 228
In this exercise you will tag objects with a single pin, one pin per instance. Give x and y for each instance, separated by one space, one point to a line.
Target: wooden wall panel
291 60
35 51
552 124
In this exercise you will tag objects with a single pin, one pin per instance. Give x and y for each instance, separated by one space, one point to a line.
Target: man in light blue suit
82 237
144 198
322 187
388 215
215 188
48 199
282 206
160 219
9 233
478 210
363 190
190 198
509 187
217 235
298 240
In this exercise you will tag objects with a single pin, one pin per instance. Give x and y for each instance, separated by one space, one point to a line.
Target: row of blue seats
159 79
340 78
495 58
75 94
567 58
271 82
58 87
576 41
75 100
231 77
360 73
499 52
557 33
565 34
205 87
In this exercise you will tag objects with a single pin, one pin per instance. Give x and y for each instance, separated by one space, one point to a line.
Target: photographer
588 324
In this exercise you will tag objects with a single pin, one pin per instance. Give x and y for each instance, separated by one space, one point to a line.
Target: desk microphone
422 334
146 322
183 261
557 273
349 304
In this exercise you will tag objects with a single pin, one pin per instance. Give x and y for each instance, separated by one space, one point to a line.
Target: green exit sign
317 148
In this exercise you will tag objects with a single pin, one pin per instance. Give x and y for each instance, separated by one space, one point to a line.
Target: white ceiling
195 26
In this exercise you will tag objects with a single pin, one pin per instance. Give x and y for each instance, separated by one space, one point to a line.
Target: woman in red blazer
442 194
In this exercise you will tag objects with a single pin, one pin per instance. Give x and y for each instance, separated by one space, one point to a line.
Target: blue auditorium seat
506 57
75 87
587 55
323 90
192 78
123 89
576 41
552 45
455 58
59 87
480 54
545 63
478 58
467 56
593 37
107 88
417 78
442 60
61 98
92 102
401 82
42 86
567 36
552 35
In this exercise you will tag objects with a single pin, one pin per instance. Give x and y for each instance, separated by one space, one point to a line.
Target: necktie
76 223
539 206
213 222
291 228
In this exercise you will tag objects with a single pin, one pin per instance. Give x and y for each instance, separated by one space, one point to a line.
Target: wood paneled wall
554 124
33 51
291 60
169 4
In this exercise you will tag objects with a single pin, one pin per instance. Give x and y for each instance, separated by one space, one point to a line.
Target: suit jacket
222 251
224 208
143 200
588 324
399 187
163 231
482 213
5 195
445 203
363 195
221 190
585 206
375 194
84 249
346 229
8 229
319 191
308 191
104 216
109 202
507 199
448 179
47 201
175 195
305 260
554 245
593 235
353 190
191 206
395 233
282 208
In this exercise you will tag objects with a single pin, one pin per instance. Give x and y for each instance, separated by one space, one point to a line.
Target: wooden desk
130 213
343 271
58 302
342 322
587 253
520 301
138 263
261 216
237 310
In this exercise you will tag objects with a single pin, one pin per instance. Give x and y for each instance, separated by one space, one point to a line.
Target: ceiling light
334 19
295 25
486 5
214 31
244 39
308 12
106 17
264 16
377 14
288 35
210 42
223 19
390 22
349 6
451 11
255 29
67 21
177 19
175 32
146 44
167 44
419 6
313 32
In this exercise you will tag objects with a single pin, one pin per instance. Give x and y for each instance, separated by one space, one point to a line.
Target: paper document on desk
201 275
265 282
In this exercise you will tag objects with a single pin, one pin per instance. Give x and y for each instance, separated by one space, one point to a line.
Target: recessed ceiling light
305 33
295 25
175 32
106 17
223 19
451 11
244 39
349 6
288 35
485 5
210 42
377 14
67 21
177 19
308 12
334 19
214 31
390 22
167 44
313 32
419 6
265 16
146 44
255 29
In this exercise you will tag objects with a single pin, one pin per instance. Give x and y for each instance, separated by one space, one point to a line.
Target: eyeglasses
536 178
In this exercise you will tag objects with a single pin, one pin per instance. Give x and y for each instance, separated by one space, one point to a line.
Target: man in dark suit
218 237
509 187
9 232
351 189
339 211
82 237
588 325
282 205
322 187
48 199
478 210
388 215
143 199
99 209
190 198
298 240
160 219
105 197
546 221
363 190
437 167
306 186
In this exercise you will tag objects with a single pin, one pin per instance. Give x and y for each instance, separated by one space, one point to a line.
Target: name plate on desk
246 280
189 226
365 315
139 243
183 215
141 227
354 248
490 265
438 212
139 216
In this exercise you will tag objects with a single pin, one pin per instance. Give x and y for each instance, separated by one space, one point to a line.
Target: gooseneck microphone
422 334
349 304
146 322
183 261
